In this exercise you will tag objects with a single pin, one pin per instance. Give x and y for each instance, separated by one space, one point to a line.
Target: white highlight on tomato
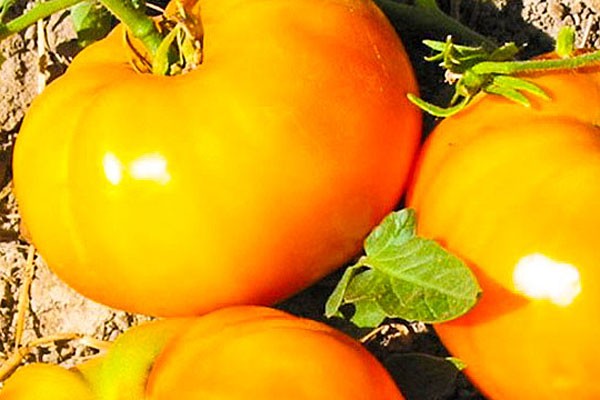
148 167
540 277
113 169
151 167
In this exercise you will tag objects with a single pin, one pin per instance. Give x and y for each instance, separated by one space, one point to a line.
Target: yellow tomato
258 353
45 382
514 192
242 181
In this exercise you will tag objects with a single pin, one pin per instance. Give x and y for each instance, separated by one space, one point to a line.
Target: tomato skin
514 192
243 181
45 382
254 352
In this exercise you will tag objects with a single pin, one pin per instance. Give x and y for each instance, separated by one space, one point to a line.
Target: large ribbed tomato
241 181
514 192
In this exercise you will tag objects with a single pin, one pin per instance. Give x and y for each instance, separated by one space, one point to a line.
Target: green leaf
368 313
350 289
336 299
91 20
428 284
395 230
404 276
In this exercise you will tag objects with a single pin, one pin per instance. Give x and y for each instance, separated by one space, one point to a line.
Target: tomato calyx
167 45
476 69
180 50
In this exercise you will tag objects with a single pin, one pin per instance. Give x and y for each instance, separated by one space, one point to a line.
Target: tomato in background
45 382
514 192
242 181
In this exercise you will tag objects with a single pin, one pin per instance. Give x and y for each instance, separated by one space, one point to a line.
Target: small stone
569 20
556 9
541 8
593 4
577 8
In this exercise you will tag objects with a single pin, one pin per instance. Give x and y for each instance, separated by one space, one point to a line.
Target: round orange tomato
257 353
242 181
514 192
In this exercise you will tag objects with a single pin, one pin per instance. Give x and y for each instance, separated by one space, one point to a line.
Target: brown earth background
41 53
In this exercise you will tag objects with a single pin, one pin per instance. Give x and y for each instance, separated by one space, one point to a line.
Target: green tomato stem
424 18
37 12
521 67
132 14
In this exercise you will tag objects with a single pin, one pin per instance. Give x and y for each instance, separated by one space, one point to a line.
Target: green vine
476 69
132 13
483 67
165 48
421 17
37 12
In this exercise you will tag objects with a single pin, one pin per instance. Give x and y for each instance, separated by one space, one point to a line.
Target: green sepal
434 110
